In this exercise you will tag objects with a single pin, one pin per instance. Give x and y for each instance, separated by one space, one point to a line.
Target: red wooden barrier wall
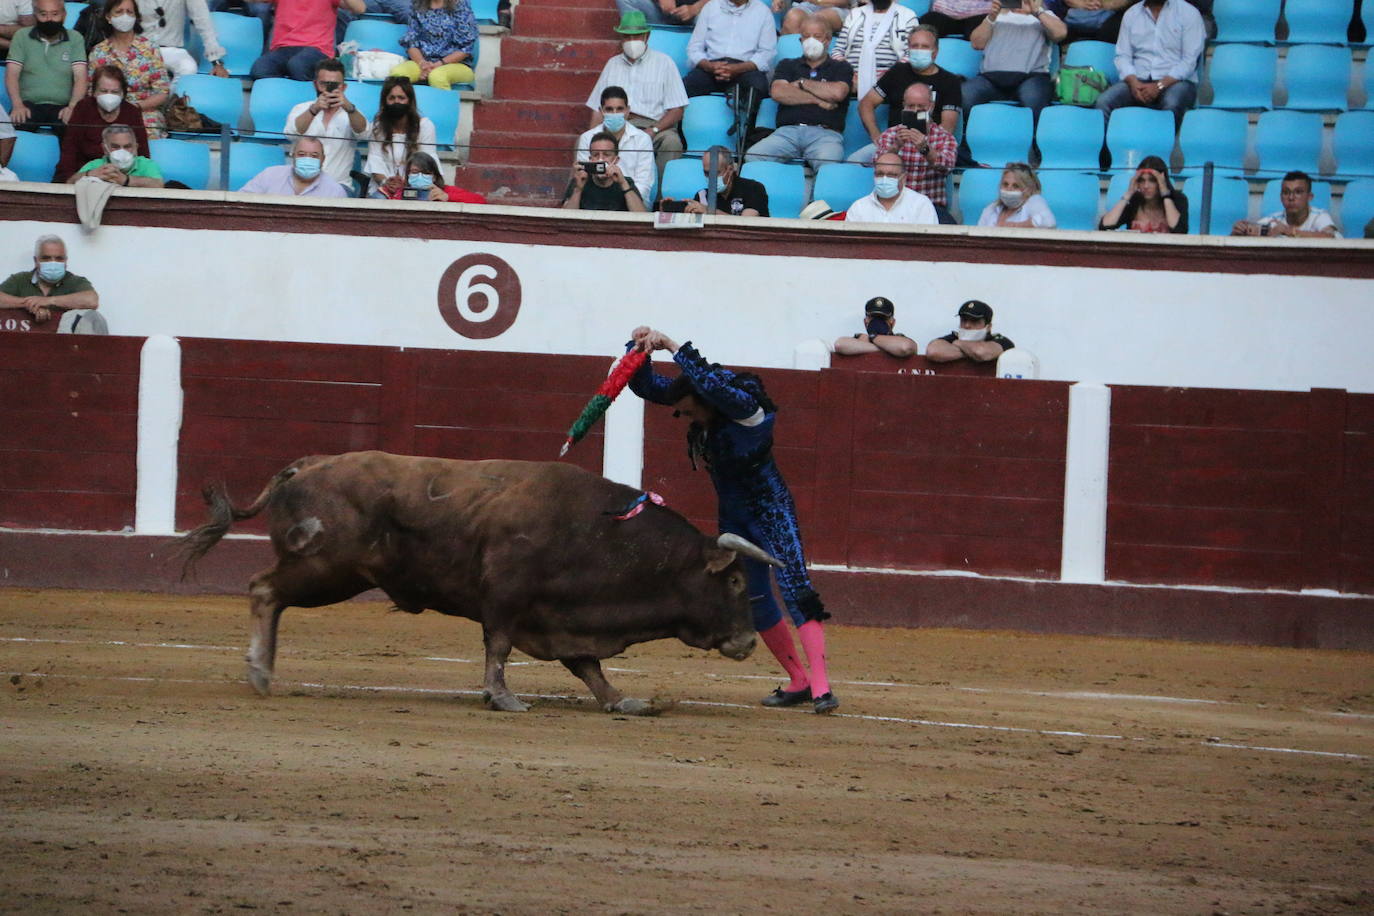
68 431
1356 497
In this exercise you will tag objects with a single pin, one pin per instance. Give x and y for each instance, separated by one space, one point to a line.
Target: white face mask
972 333
108 101
1012 200
813 49
634 48
121 159
123 23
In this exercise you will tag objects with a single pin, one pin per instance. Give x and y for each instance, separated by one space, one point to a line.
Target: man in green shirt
46 73
121 163
28 300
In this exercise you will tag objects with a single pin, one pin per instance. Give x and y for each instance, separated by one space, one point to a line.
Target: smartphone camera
410 194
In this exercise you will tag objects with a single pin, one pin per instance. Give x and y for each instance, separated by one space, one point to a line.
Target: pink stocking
813 643
778 639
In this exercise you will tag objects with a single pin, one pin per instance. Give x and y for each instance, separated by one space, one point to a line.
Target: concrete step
536 53
542 86
505 148
564 23
515 116
527 182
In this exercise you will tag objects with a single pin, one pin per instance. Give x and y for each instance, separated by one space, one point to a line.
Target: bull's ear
717 558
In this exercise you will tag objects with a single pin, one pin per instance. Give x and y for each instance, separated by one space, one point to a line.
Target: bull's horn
752 551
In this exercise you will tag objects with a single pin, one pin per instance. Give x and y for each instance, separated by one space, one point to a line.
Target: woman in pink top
302 36
957 17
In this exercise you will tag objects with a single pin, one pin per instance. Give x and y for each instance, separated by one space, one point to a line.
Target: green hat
632 22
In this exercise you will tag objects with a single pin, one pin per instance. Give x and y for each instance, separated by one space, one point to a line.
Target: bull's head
725 572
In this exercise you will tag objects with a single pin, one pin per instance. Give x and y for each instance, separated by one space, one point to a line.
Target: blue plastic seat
1070 137
1250 21
841 183
35 156
1357 207
240 37
1212 135
1288 140
682 179
272 99
958 56
185 161
674 44
1368 82
444 108
248 159
376 35
1074 198
706 122
485 11
1317 77
767 115
73 13
1271 203
855 135
1242 77
1353 144
221 99
919 7
1100 55
1319 21
999 133
365 96
1367 17
977 189
786 184
1230 203
788 46
4 97
1147 131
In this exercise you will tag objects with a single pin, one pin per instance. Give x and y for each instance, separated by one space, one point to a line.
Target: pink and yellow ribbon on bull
616 380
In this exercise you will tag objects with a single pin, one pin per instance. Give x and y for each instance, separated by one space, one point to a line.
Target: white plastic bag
376 65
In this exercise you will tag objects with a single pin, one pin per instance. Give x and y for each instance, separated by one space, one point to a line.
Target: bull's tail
198 542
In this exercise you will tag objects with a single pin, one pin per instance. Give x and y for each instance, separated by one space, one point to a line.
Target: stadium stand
240 36
376 35
674 44
1142 132
1070 137
1099 55
1212 135
182 160
442 107
681 179
1251 21
919 7
1074 198
248 159
1242 77
958 56
840 184
1317 77
1357 207
977 189
220 99
1230 202
34 156
1318 21
1353 144
786 184
272 99
708 122
1288 140
999 133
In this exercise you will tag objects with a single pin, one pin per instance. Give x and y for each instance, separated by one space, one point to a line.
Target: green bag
1079 85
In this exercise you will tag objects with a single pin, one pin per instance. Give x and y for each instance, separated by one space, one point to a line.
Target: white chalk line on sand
455 691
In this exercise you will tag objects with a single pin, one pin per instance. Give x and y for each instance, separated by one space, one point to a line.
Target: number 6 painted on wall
479 296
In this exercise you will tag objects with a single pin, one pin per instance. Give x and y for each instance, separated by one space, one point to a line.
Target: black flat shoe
826 702
780 697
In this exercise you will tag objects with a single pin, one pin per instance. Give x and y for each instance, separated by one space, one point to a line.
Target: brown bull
530 550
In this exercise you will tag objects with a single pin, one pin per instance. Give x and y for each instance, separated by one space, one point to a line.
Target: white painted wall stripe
1084 545
159 429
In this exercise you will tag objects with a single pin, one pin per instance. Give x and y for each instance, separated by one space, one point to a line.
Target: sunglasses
161 17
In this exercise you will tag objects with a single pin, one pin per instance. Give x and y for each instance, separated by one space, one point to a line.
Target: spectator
14 15
957 17
872 39
164 24
6 145
974 339
332 117
108 104
302 36
919 67
121 164
635 146
1157 56
1151 202
45 75
1297 219
1096 20
878 335
49 289
1019 204
1016 56
890 202
398 10
398 130
928 150
831 12
439 43
304 177
599 184
812 92
663 12
144 71
732 44
650 79
735 195
425 181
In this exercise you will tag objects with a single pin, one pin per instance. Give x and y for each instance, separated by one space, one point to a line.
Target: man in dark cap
973 340
878 336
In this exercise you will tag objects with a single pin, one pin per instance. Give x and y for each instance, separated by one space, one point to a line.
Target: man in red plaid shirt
928 150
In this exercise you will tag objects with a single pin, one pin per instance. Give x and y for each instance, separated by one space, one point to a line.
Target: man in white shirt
636 147
1157 56
14 15
164 24
332 118
890 201
650 79
732 44
1297 219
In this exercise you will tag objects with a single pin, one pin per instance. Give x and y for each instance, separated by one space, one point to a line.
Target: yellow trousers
441 77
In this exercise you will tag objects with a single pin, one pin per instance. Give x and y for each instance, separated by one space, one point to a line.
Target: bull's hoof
260 680
507 702
630 706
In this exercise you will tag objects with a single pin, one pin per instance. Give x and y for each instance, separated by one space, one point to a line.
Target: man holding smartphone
332 118
928 151
599 184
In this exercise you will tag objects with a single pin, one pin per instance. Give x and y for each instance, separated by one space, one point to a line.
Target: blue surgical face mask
721 184
307 167
887 186
51 271
421 181
920 59
613 122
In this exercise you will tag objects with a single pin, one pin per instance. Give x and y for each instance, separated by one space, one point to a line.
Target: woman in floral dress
139 59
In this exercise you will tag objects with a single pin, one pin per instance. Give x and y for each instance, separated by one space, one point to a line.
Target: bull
536 552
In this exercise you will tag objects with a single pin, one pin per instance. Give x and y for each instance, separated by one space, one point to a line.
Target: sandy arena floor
965 773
